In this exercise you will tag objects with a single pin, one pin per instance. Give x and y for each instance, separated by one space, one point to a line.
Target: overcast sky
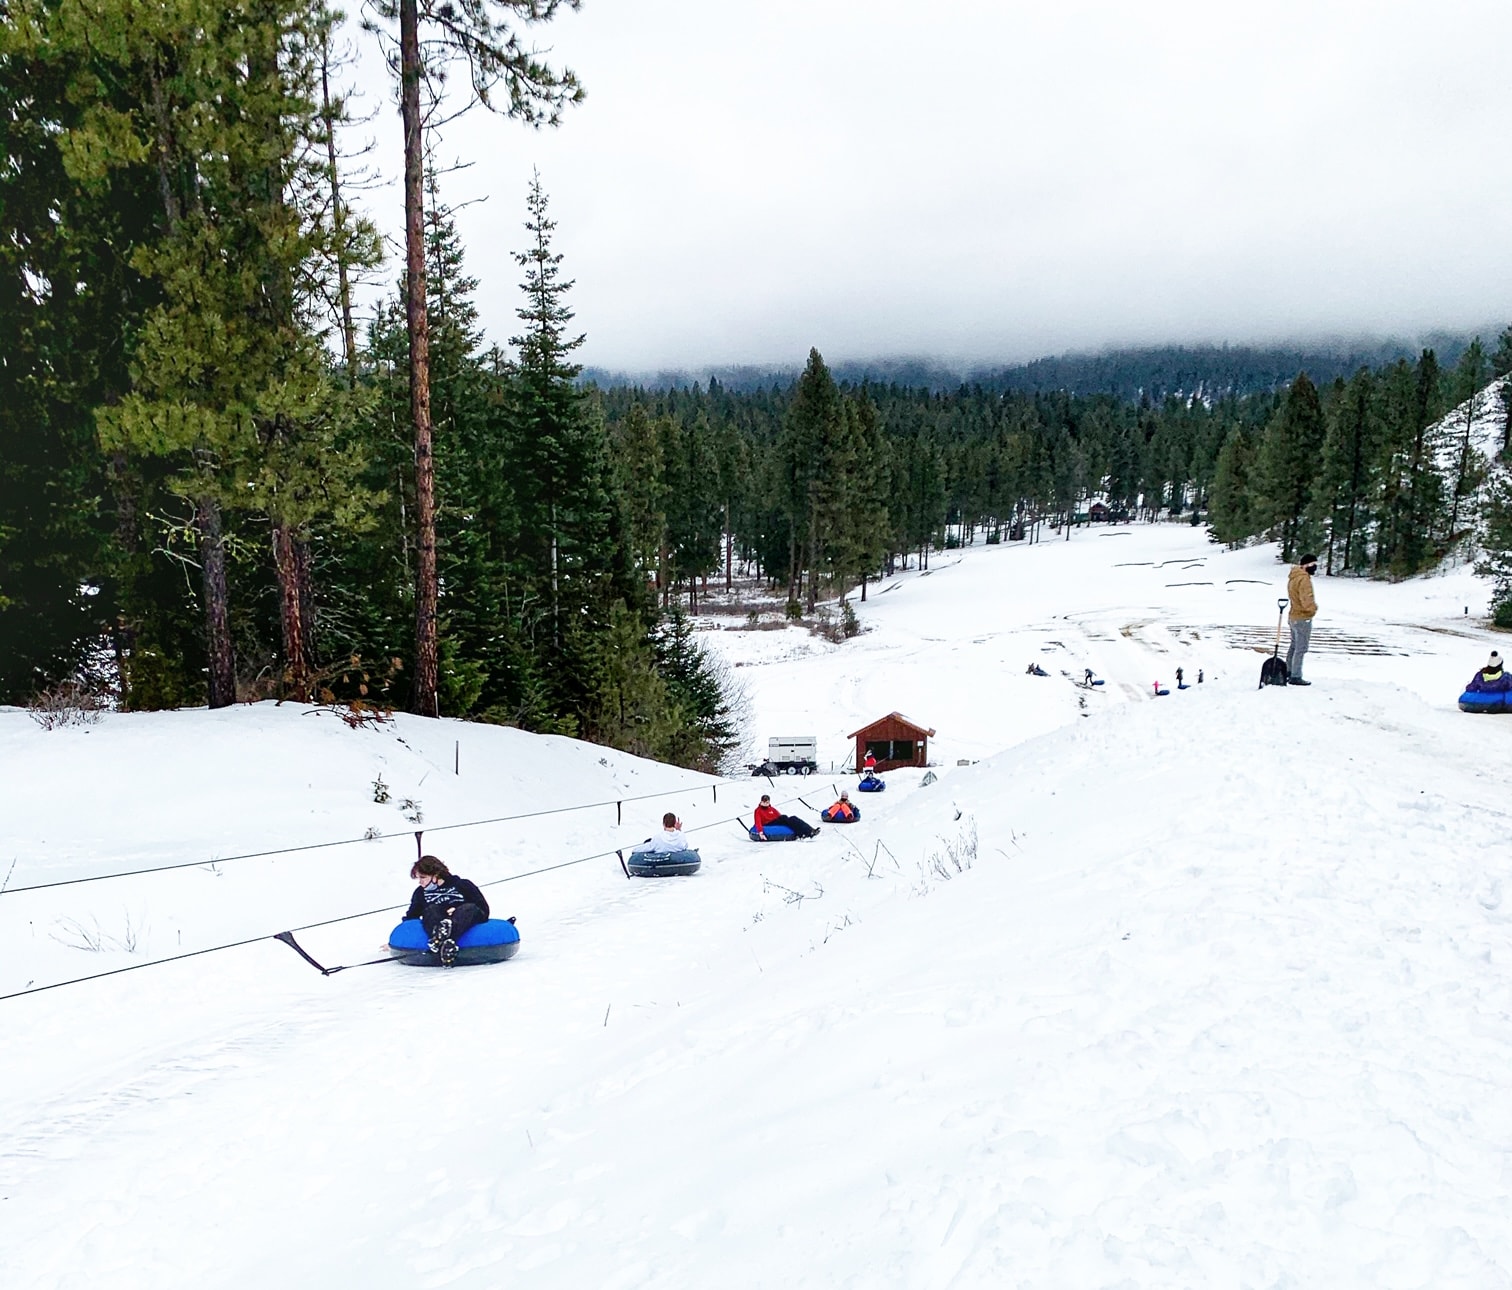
984 180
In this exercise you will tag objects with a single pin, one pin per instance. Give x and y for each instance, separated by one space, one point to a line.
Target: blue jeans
1301 636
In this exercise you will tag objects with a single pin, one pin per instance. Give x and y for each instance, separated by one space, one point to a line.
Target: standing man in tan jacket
1304 608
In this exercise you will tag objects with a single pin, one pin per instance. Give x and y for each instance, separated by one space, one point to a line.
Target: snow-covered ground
1206 990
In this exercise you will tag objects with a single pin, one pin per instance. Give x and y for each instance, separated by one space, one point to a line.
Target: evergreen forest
219 484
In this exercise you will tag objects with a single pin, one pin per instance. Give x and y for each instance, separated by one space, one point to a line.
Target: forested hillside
217 484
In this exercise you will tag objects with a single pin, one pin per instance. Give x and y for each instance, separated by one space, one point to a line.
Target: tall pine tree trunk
221 679
424 697
813 558
123 631
291 612
304 573
792 561
219 653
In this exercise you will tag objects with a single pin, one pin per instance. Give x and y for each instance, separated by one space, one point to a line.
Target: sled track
1325 640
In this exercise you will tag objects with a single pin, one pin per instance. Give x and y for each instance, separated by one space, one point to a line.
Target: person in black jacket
445 905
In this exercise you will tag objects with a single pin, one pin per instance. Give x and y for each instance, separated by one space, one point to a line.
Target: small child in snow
842 809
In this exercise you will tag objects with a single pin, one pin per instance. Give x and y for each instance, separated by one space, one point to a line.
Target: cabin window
906 750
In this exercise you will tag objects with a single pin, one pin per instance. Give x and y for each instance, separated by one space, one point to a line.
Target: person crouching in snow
767 814
842 810
1491 679
671 839
445 905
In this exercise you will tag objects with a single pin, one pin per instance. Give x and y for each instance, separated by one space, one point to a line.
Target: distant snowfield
1206 990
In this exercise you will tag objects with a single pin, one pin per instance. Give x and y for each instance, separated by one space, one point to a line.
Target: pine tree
431 35
1288 464
811 431
559 452
868 519
1412 489
1230 501
1345 482
68 296
1495 539
640 485
706 729
1501 367
692 501
1470 377
226 381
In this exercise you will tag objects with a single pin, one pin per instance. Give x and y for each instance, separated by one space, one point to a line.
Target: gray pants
1301 635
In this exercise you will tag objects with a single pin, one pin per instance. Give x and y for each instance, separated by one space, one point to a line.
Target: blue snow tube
872 786
840 819
1481 701
491 942
774 833
663 864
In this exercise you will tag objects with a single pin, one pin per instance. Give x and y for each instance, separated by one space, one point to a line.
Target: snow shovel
1274 670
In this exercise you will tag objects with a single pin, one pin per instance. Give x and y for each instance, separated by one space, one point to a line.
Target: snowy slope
950 648
1208 990
1485 422
200 789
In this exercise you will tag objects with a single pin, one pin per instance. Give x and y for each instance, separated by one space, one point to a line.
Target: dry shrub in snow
67 704
955 855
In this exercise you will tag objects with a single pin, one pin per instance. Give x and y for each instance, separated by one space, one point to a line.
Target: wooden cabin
894 741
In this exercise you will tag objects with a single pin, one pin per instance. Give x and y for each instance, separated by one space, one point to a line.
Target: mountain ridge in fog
1128 372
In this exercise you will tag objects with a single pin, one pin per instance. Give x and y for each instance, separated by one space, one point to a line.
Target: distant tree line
823 484
1206 372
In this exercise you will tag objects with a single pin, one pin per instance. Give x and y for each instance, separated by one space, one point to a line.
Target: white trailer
791 755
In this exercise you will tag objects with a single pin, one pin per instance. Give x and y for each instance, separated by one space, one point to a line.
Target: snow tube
1480 701
663 864
872 786
775 833
490 942
839 819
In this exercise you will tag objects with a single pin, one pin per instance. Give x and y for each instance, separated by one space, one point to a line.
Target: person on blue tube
446 906
1491 679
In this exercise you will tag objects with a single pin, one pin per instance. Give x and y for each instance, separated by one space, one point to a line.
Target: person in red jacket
767 814
871 761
